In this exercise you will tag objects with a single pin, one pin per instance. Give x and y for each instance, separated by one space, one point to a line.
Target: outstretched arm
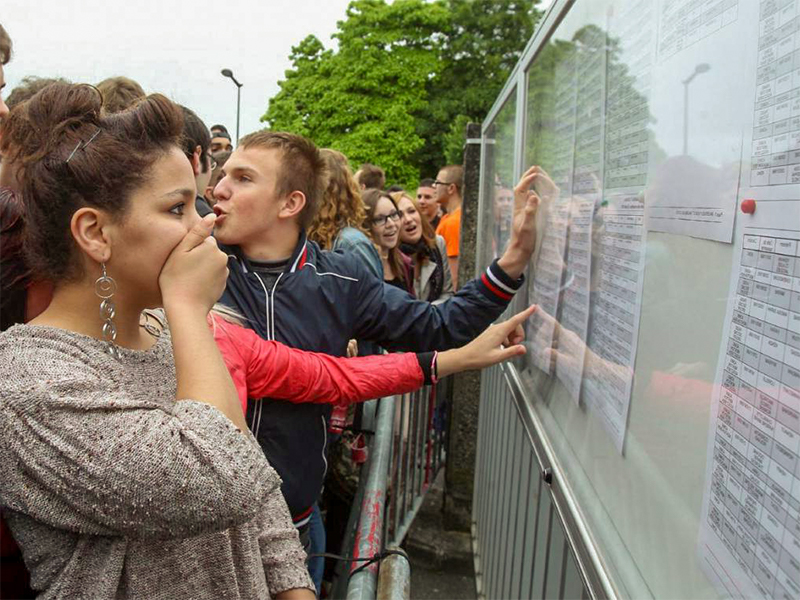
397 322
277 371
274 370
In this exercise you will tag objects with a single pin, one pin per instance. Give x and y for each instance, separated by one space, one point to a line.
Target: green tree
480 49
405 79
297 105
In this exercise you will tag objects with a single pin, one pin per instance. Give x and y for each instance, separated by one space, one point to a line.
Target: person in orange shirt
449 185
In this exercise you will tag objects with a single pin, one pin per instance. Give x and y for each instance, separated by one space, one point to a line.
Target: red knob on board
749 206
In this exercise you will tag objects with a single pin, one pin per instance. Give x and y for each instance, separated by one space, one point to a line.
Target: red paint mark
372 507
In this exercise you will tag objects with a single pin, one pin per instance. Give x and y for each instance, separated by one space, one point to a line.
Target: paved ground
433 583
441 561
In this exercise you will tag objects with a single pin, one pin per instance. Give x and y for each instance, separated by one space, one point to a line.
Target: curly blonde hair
341 204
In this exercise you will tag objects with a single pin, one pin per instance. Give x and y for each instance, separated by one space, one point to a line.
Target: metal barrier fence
405 456
523 539
418 452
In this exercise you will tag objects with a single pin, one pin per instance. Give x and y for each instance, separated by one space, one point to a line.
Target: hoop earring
105 287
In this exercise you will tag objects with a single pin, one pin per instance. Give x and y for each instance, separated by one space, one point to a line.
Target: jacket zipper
256 422
271 304
324 446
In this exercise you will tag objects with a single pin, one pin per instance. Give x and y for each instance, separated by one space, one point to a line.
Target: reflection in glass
498 180
606 115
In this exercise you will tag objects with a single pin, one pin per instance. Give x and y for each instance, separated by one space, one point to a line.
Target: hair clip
81 145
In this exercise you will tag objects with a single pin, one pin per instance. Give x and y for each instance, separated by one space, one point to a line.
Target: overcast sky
176 47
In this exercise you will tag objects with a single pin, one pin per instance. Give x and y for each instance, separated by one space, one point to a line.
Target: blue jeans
316 565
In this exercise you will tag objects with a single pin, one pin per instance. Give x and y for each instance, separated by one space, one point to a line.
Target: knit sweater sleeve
282 555
83 453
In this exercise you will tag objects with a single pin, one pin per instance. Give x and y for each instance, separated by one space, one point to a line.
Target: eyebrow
236 169
180 192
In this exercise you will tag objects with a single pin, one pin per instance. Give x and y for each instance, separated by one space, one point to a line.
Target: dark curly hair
71 154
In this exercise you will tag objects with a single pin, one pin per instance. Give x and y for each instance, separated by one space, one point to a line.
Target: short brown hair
5 46
195 133
119 93
302 167
71 155
29 87
455 175
371 176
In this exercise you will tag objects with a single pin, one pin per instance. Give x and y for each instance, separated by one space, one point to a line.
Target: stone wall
463 431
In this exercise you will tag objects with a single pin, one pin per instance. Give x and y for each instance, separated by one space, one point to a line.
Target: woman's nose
194 217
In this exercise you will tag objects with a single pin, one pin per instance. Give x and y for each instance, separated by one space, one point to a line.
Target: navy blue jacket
322 300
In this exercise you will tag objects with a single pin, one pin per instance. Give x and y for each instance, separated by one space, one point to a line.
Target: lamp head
227 73
702 68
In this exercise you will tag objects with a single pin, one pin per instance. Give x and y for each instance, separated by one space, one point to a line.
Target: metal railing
418 450
405 456
524 540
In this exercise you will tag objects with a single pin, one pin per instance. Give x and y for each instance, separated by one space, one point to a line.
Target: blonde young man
291 291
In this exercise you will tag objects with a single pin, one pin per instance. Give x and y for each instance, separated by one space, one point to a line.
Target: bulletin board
664 361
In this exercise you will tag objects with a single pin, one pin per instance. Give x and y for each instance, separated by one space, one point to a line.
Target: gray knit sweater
114 490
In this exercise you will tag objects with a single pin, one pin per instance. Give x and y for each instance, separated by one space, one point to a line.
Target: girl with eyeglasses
383 223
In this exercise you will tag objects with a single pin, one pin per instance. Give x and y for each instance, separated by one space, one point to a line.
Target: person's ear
195 160
91 230
209 195
292 205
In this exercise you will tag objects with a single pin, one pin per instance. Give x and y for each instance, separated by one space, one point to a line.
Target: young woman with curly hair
338 224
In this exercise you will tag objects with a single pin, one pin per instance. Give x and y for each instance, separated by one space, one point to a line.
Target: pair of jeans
316 545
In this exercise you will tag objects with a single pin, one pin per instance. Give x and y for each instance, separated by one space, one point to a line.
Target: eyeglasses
381 221
437 182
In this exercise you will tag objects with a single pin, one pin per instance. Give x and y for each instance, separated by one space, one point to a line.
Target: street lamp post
699 69
228 73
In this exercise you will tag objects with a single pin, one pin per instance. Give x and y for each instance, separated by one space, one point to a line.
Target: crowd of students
177 330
